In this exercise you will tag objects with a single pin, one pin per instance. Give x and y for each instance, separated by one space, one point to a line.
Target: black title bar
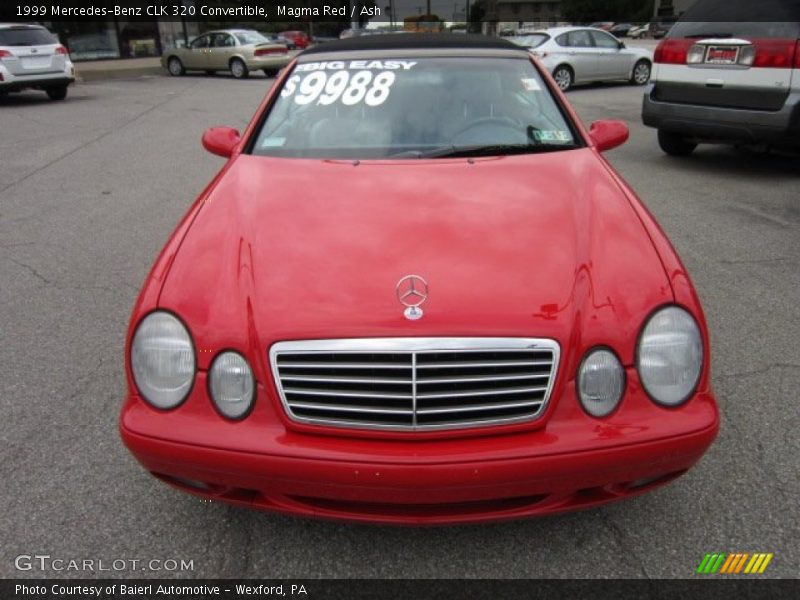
384 11
395 589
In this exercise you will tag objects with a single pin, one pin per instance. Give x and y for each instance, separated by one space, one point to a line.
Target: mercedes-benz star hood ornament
412 291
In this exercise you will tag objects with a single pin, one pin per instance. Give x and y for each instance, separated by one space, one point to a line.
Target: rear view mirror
608 134
221 140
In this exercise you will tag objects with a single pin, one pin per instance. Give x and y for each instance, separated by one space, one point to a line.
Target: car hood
543 245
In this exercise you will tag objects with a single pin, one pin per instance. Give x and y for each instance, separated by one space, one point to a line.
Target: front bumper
572 462
725 124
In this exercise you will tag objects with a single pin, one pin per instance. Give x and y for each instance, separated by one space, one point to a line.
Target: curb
88 75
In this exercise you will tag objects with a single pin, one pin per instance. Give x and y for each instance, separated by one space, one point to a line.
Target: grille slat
413 384
483 364
387 411
334 379
477 379
348 394
479 407
471 394
344 365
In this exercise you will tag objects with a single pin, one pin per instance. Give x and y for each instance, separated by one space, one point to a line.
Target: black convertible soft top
406 41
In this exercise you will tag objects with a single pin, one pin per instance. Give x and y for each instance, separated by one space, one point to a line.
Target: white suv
734 82
31 57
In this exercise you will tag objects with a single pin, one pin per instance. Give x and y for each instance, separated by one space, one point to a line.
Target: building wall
671 8
116 38
504 15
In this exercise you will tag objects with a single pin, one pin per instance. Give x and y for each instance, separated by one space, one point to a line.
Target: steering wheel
500 122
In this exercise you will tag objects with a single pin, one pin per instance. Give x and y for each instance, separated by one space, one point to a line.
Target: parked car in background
349 33
32 58
583 55
734 82
279 39
300 38
302 346
662 26
604 25
239 51
639 31
621 29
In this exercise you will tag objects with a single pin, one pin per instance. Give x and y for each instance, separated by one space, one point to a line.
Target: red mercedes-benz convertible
417 293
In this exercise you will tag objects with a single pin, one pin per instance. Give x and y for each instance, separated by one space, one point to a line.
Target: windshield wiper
452 151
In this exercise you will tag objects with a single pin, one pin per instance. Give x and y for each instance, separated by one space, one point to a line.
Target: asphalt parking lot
90 188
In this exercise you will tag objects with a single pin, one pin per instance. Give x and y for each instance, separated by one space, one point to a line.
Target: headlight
670 356
162 360
231 385
601 380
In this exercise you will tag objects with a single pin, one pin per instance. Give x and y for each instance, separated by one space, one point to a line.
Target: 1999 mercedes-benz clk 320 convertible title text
417 293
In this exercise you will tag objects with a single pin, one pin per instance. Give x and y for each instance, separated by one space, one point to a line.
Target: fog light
601 380
231 385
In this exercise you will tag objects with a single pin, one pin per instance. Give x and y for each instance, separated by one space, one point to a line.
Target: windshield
250 37
533 40
734 29
413 108
724 19
26 36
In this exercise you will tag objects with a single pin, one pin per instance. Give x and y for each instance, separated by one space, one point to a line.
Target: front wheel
641 73
563 76
175 67
239 69
57 93
271 72
675 144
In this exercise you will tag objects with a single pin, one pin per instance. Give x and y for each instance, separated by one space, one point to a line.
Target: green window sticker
273 142
552 136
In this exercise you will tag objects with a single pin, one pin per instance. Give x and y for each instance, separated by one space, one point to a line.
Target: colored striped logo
734 563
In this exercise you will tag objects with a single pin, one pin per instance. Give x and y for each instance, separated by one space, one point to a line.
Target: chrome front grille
414 384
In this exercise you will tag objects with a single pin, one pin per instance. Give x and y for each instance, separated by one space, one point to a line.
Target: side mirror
622 45
608 134
221 140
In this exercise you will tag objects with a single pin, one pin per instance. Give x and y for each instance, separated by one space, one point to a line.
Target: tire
675 144
271 72
238 68
641 72
564 77
175 66
57 93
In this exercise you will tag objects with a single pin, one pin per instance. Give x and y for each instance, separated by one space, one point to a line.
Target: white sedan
584 54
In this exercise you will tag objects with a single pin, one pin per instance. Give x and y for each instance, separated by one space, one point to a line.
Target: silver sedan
239 51
584 54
